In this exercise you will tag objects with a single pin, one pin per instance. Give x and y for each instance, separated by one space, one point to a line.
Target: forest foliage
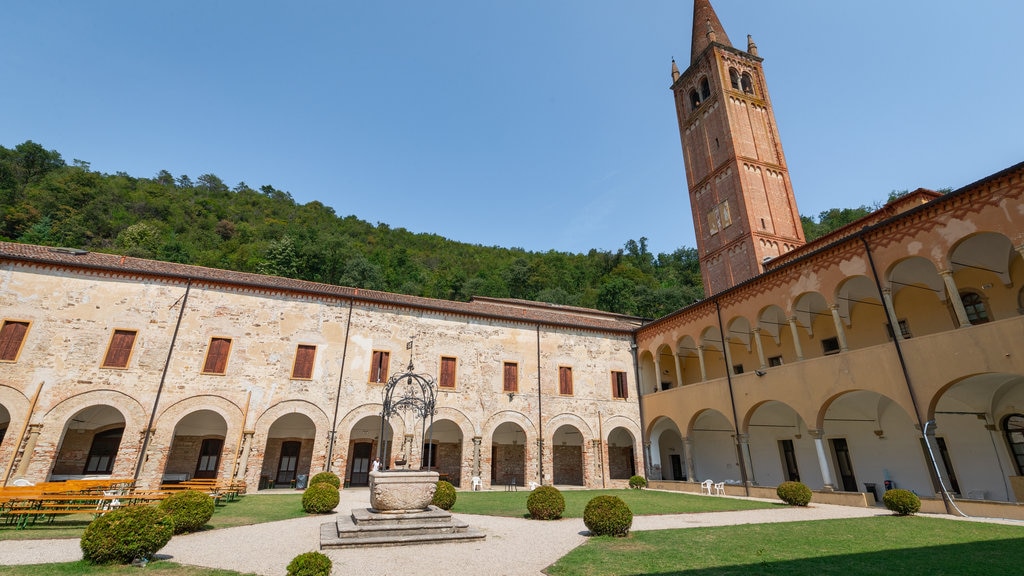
46 201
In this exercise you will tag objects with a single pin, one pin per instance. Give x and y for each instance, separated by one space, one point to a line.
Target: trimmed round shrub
444 496
607 516
190 510
545 503
328 477
794 493
310 564
901 502
123 535
637 482
320 498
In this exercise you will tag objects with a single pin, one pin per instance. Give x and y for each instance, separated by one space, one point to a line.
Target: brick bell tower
744 211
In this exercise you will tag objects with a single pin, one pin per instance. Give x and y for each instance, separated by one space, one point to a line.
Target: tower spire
706 29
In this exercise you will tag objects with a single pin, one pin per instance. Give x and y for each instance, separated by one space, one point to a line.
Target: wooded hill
45 201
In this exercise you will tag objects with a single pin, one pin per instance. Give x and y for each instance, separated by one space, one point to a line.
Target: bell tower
744 211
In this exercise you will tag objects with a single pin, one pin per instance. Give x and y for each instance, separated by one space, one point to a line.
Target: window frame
829 349
311 363
111 353
972 310
447 365
505 377
380 361
565 381
775 361
620 385
212 370
21 343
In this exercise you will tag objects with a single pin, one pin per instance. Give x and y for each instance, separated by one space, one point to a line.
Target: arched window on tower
705 89
747 83
1013 427
694 100
977 312
734 79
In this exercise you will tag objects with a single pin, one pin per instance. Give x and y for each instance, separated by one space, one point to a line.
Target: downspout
540 418
159 390
732 401
337 395
640 405
947 499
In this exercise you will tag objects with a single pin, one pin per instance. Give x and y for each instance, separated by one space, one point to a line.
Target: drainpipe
947 499
159 390
732 401
640 406
540 418
337 397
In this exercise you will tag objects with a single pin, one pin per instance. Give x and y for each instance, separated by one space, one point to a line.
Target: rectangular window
217 356
379 366
447 372
619 387
119 350
12 336
830 346
510 377
737 368
904 329
302 369
775 361
565 380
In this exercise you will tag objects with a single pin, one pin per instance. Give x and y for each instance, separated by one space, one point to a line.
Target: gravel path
514 546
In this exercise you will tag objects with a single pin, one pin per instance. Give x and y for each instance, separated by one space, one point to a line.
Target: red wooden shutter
304 355
217 356
565 380
120 349
511 380
11 336
447 372
379 367
619 385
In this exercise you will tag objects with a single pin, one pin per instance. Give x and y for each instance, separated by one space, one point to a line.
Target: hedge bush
444 496
123 535
902 502
310 564
607 516
545 503
328 477
190 510
794 493
637 482
320 498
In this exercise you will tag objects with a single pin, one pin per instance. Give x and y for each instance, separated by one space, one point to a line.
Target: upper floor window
694 100
302 369
619 386
747 83
447 372
974 305
510 377
705 89
119 350
217 356
1013 427
12 336
774 361
565 380
830 346
734 79
379 366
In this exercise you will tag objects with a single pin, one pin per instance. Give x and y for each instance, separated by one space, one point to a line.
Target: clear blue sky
534 124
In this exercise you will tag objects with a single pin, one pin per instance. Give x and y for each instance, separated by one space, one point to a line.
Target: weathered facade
267 379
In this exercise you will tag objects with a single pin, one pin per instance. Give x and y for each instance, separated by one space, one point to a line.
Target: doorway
288 463
209 458
361 464
789 460
844 464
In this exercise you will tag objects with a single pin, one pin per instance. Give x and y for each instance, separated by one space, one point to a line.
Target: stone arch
447 455
666 366
780 446
201 445
468 427
648 374
293 438
93 447
574 420
712 436
568 446
358 413
686 349
517 417
667 450
622 452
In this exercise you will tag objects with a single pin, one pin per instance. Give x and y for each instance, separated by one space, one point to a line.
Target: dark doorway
361 464
789 460
209 458
844 464
103 451
677 467
945 462
289 461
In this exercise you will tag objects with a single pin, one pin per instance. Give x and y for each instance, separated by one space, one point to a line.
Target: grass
241 512
879 545
82 567
641 502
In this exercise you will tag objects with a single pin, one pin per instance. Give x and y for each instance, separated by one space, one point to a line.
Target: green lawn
641 502
73 568
252 509
881 545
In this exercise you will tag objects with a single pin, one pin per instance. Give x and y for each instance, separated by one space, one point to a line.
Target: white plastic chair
533 486
705 486
477 483
22 482
720 488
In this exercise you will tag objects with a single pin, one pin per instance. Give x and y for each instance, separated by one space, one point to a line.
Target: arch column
890 311
796 338
953 293
703 367
726 353
760 348
840 331
597 446
743 443
657 370
819 447
647 460
691 474
476 456
679 369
